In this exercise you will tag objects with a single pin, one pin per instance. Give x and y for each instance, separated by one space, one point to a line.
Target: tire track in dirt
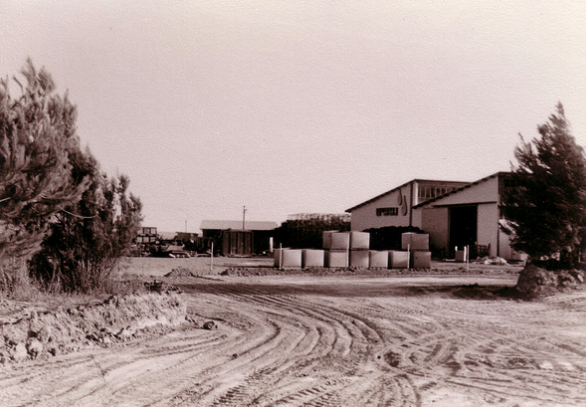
312 336
437 349
316 349
358 328
320 346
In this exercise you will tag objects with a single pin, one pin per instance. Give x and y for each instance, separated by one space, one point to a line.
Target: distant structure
231 240
150 242
146 235
326 217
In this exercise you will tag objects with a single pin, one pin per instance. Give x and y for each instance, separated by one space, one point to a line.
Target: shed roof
237 225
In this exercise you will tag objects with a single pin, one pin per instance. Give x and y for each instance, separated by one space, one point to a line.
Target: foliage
308 233
37 136
55 204
546 200
88 238
389 237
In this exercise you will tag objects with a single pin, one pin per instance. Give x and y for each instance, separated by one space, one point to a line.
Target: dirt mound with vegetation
375 272
180 272
33 333
535 282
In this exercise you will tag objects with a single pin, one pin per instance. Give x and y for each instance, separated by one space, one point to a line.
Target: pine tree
37 135
547 203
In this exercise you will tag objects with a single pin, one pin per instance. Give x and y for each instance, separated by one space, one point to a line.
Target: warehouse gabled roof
237 225
395 189
457 190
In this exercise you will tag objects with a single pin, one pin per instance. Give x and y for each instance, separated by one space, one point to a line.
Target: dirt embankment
34 333
375 272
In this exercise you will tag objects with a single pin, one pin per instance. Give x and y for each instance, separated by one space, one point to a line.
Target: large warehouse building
452 213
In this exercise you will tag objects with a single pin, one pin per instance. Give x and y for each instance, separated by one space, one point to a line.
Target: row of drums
391 259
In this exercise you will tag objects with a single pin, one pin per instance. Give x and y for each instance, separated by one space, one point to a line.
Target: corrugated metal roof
237 225
455 191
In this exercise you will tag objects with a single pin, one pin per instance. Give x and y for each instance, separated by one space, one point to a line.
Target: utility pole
244 218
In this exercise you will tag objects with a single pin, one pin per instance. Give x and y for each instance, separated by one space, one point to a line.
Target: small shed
238 237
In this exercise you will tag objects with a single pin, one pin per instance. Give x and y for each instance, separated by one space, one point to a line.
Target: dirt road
333 341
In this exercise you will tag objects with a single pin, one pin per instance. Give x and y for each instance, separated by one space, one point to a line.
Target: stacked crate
359 249
418 245
337 245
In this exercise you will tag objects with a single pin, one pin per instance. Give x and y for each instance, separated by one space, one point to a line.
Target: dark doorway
463 221
237 243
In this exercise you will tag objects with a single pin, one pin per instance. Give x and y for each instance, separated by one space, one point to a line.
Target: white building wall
487 226
506 251
417 218
380 213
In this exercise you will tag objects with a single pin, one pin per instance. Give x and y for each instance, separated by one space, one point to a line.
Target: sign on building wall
387 211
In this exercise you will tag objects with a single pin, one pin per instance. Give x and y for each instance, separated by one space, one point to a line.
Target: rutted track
330 342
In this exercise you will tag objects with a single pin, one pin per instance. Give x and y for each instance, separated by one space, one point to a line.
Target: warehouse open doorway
463 227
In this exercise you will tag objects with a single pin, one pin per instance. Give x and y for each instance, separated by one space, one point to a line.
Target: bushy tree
546 203
55 203
307 232
37 135
88 238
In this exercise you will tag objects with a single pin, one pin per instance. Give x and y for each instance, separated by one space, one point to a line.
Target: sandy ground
304 340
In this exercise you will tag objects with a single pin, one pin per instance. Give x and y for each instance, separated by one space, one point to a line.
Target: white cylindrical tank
359 240
313 258
378 259
398 259
337 258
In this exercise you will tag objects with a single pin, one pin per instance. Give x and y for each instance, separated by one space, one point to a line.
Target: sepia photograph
304 203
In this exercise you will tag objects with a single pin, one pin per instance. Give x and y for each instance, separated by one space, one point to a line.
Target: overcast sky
300 106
